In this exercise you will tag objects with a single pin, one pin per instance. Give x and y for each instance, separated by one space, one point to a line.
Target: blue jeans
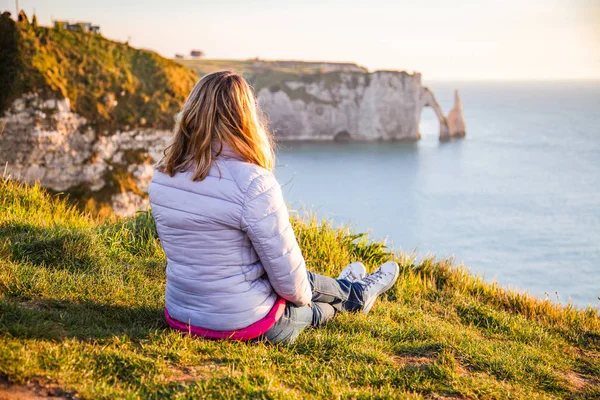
329 296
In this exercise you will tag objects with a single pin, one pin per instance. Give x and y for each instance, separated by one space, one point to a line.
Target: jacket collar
223 150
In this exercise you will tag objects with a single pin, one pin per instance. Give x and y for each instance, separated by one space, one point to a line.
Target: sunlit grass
81 303
111 84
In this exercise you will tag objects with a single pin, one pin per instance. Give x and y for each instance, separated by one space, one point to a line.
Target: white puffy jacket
229 244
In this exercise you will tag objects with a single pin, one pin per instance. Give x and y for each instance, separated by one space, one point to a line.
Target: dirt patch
413 361
577 381
189 374
34 390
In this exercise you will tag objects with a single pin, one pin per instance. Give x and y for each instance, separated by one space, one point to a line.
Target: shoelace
350 274
372 279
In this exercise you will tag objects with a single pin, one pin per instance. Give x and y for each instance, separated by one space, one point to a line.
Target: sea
516 201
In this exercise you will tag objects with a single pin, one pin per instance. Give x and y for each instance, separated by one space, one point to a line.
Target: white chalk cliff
383 105
43 140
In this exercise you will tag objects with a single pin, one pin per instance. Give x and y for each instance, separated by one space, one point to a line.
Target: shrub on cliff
111 84
81 310
10 63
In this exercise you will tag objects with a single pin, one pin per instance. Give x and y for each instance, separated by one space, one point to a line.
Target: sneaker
353 272
379 282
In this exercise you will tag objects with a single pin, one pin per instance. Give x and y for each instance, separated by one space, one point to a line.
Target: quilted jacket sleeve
266 221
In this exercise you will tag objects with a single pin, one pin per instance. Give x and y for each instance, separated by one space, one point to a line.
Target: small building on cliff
77 26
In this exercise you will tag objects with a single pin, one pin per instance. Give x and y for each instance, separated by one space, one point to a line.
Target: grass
251 67
81 303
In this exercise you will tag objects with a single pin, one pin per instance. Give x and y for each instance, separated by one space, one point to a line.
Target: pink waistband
250 332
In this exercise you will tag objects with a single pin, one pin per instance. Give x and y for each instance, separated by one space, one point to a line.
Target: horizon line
369 70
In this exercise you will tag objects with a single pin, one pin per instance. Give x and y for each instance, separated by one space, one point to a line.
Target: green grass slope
252 67
274 75
81 304
109 83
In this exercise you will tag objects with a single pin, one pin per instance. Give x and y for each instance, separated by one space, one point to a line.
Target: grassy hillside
81 313
205 66
254 66
272 73
275 75
109 83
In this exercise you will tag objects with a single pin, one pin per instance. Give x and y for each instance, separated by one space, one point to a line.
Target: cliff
345 106
45 141
88 116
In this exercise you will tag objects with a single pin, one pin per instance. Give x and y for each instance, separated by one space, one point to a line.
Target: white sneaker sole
369 304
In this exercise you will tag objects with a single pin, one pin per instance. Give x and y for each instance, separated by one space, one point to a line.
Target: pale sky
471 39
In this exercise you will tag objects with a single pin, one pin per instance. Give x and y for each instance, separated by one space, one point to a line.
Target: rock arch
452 126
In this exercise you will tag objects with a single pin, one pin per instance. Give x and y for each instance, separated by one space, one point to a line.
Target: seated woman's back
229 244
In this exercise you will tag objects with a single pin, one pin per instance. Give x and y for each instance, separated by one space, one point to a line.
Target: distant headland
338 101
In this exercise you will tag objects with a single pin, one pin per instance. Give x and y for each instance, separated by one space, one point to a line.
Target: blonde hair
220 109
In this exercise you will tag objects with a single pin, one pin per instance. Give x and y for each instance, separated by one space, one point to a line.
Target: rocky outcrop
384 105
42 140
456 120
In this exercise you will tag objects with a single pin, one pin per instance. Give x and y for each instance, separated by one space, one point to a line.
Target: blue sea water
517 200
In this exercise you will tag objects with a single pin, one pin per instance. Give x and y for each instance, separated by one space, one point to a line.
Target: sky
444 40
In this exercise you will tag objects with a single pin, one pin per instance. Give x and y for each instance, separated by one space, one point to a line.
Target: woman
234 268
